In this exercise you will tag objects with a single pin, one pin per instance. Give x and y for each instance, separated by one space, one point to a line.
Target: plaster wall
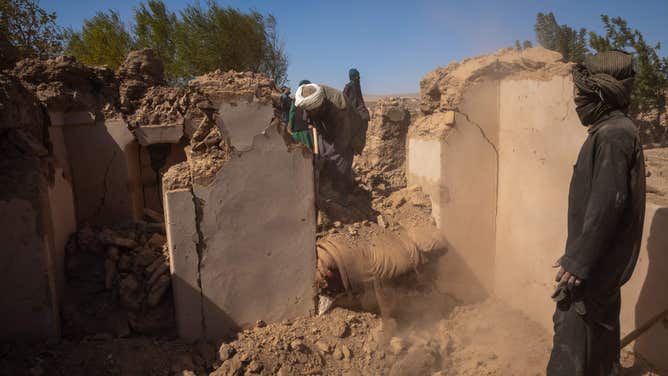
459 172
243 246
258 227
100 176
63 221
29 298
537 136
540 136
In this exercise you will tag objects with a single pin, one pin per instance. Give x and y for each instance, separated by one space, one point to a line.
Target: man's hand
564 277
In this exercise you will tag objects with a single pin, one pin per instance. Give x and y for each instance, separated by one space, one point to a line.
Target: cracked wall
242 241
507 143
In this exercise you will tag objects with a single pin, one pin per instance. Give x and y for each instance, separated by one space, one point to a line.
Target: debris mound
118 282
382 163
64 84
140 70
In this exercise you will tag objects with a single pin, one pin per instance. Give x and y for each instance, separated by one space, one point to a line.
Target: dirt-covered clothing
606 206
583 347
353 91
606 210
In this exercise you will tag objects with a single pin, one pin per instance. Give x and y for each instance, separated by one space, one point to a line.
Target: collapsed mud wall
29 301
495 151
240 214
97 150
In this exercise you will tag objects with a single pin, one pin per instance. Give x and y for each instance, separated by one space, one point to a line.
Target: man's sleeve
608 198
291 115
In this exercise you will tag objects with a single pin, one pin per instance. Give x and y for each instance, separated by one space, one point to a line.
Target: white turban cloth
310 102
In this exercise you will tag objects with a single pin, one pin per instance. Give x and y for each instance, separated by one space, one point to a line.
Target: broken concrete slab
182 240
258 228
246 250
244 120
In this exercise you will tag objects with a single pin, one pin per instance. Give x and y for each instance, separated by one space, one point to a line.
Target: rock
113 253
381 221
208 352
124 263
260 324
163 268
156 241
130 293
158 290
226 351
338 354
397 345
154 265
108 237
255 367
346 352
323 346
230 367
338 224
145 257
339 329
297 345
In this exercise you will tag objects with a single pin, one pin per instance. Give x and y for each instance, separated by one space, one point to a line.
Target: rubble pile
220 86
382 163
141 70
209 147
118 282
63 84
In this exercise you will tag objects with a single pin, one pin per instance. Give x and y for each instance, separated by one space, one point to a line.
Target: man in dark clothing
286 101
353 93
606 209
337 122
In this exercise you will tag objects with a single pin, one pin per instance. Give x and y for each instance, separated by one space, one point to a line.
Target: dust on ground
656 165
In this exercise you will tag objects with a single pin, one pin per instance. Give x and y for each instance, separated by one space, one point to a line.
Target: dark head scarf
304 82
603 84
354 74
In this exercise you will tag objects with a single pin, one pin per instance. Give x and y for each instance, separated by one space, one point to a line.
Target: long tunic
606 206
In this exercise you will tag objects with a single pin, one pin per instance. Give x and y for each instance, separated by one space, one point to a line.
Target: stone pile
381 165
118 281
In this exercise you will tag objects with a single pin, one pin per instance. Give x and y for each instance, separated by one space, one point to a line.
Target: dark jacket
353 93
606 206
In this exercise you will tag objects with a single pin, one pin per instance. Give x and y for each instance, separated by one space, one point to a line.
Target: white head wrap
312 101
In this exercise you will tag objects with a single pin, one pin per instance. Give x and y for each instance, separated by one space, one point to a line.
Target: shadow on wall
194 326
653 297
457 280
100 175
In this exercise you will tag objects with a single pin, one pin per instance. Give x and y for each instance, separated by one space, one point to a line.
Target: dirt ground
656 164
481 339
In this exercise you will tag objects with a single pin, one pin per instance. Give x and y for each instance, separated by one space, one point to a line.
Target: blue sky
395 43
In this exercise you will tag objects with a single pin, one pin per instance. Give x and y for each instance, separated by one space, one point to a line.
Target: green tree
31 29
219 38
275 63
651 80
155 28
523 45
570 43
103 40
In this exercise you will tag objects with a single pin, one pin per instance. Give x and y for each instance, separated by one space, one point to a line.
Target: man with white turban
337 123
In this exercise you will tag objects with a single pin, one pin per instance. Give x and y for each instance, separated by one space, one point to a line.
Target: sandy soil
656 164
